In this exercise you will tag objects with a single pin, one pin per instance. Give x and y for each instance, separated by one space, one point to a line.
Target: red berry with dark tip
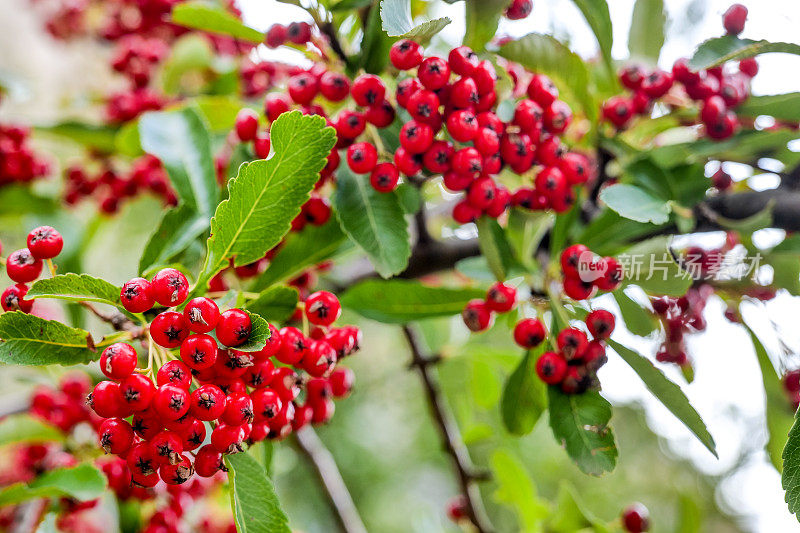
384 177
405 54
169 287
169 329
171 401
734 18
45 242
13 299
572 342
368 90
636 518
529 333
433 73
362 157
233 327
477 316
551 368
118 360
115 436
246 125
22 266
137 295
600 323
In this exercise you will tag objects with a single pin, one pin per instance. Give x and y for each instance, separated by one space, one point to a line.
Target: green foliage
781 106
95 137
719 50
482 19
790 477
516 489
373 220
646 36
83 482
267 194
599 19
30 340
397 22
275 304
636 204
571 513
638 320
375 45
77 288
253 501
189 53
399 301
580 423
668 393
653 268
524 396
202 16
495 248
25 428
525 232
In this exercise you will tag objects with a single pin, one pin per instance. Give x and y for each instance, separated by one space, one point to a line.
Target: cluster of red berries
109 189
636 518
136 57
478 314
574 367
584 272
18 162
717 92
259 77
680 316
126 105
296 32
25 265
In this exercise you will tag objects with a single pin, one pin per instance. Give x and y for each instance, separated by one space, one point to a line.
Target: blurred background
381 437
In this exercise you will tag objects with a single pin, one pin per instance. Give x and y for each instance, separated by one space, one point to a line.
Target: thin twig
451 436
309 443
117 320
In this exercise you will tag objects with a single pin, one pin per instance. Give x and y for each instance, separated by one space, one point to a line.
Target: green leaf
375 45
373 220
302 250
524 396
397 22
571 514
25 428
580 423
668 393
191 52
636 204
482 19
744 146
275 304
525 232
347 5
790 477
77 288
83 482
650 265
638 320
201 16
410 198
516 489
785 271
30 340
267 194
646 36
399 301
176 231
719 50
546 55
181 141
495 248
596 14
785 107
92 136
254 503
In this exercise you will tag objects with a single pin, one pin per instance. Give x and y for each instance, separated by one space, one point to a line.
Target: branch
738 206
117 320
309 443
451 436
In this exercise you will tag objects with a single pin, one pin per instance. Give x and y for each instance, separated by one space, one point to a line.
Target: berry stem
309 444
450 433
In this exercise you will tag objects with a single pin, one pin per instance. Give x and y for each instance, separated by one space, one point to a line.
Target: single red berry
406 162
317 210
259 375
178 473
238 409
618 110
433 73
199 351
293 346
462 125
322 308
233 327
201 314
303 87
350 124
334 86
137 295
749 67
115 436
577 289
261 145
271 346
228 439
529 333
13 299
558 115
384 177
519 9
142 460
600 323
147 423
636 518
467 161
528 116
45 242
169 287
721 180
276 104
485 78
118 360
571 343
551 368
176 373
571 257
594 357
171 401
319 359
246 125
518 151
137 392
405 54
437 158
169 329
368 90
277 35
423 104
362 157
576 168
266 404
734 18
106 400
612 274
208 461
22 266
416 137
194 436
631 77
477 316
464 212
481 192
723 128
207 402
551 182
381 114
657 84
542 90
299 32
405 89
463 60
168 446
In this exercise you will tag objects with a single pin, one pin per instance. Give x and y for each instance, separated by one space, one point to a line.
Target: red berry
571 257
207 402
380 115
551 182
169 329
437 157
462 125
118 360
529 333
201 314
618 110
142 460
572 342
721 180
22 266
299 32
405 54
45 242
228 439
384 177
115 436
322 308
557 117
734 18
423 104
341 380
293 346
319 358
176 373
749 67
12 299
171 401
275 104
169 287
406 162
600 323
481 192
147 423
519 9
416 137
233 327
199 351
208 461
168 446
137 392
238 409
106 400
485 78
594 356
261 145
350 124
501 297
405 89
303 87
266 404
464 212
246 125
137 295
542 90
277 35
467 161
477 316
178 473
551 368
259 375
577 289
631 77
334 86
368 90
463 60
433 73
657 84
612 274
362 157
457 509
636 518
